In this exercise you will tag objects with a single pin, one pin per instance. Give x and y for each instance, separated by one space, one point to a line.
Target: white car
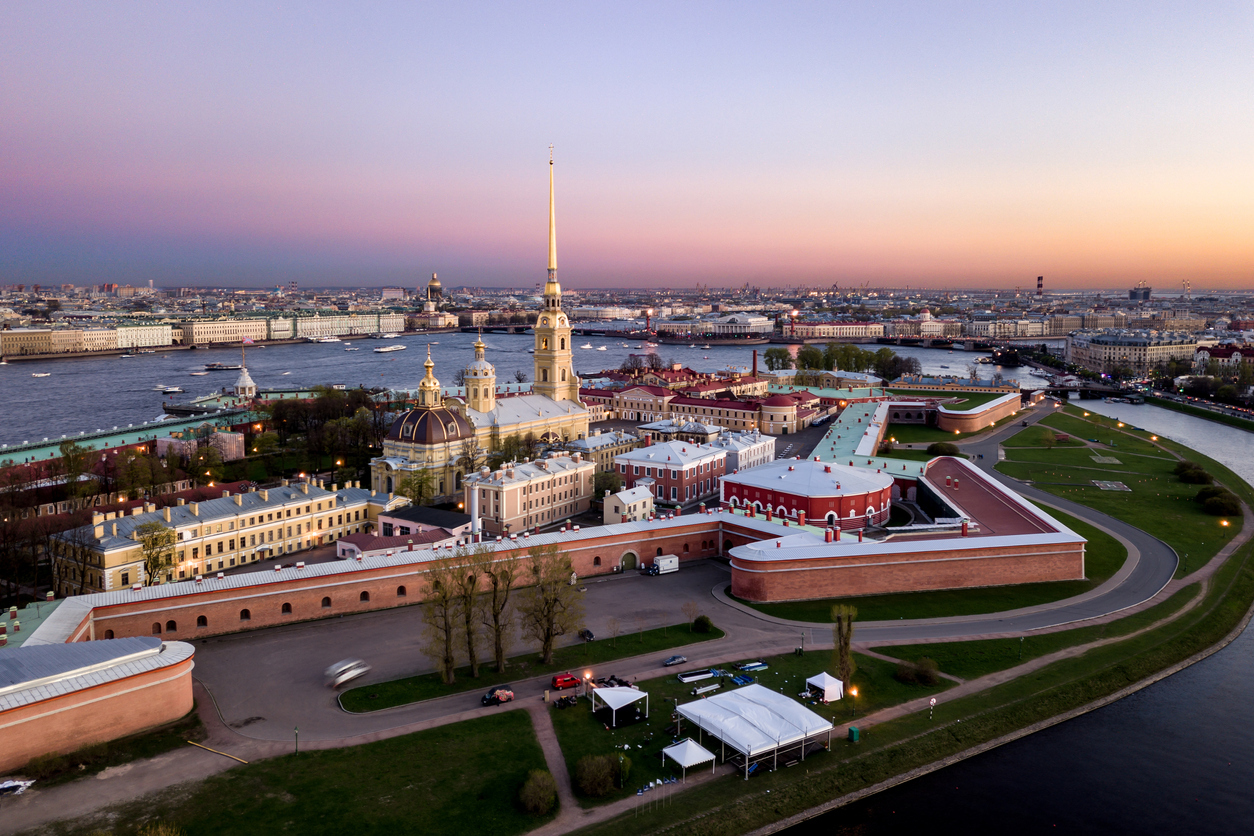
345 671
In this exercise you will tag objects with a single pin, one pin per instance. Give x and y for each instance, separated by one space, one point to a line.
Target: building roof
522 408
671 454
430 426
710 403
661 391
811 478
423 515
609 439
742 441
630 495
512 474
371 543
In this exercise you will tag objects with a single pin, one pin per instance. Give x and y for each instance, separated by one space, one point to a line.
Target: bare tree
640 625
497 614
471 456
466 570
439 614
842 631
156 544
551 609
691 611
520 376
459 377
615 626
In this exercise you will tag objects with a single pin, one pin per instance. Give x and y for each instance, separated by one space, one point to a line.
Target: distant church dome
430 426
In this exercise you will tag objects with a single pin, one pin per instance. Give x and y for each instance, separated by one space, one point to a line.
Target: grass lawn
50 770
1105 430
920 434
428 686
580 733
972 659
968 400
1035 435
459 778
899 452
1158 503
1103 557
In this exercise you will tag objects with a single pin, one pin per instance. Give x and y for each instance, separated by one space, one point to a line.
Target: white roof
617 697
516 409
831 687
754 719
674 454
688 752
636 494
811 478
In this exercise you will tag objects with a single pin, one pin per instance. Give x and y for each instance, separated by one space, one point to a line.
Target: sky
924 144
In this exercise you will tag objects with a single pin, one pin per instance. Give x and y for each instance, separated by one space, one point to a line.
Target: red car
565 680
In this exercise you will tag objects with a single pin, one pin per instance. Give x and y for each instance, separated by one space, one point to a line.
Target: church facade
443 439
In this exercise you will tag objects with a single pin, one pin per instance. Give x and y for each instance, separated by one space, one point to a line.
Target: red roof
714 404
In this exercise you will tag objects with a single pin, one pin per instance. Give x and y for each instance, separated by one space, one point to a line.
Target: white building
629 505
144 336
746 450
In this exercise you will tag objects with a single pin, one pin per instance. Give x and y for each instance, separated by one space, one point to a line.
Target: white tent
616 698
829 686
688 752
755 721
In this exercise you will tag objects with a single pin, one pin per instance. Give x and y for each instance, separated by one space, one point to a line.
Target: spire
479 346
552 224
429 387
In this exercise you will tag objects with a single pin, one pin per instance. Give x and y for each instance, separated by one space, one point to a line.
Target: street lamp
853 702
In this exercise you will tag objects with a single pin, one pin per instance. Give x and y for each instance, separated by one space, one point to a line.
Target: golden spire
552 223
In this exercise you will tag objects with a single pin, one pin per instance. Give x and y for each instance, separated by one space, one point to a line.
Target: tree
691 611
608 480
842 631
538 793
208 465
418 486
471 456
459 377
74 464
439 614
810 357
466 569
777 359
615 627
156 543
551 608
497 615
520 376
633 363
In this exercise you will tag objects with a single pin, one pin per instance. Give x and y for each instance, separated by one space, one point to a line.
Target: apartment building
209 331
628 505
746 450
1135 352
835 330
519 497
681 472
210 536
144 336
601 448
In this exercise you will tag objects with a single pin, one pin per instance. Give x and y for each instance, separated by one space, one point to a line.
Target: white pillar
474 514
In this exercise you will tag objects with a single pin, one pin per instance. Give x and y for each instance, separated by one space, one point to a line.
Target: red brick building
820 493
680 471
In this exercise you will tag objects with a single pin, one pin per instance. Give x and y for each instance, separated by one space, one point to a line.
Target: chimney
239 499
97 518
827 535
195 508
334 487
115 529
304 486
755 362
225 494
265 495
182 501
165 512
98 531
964 527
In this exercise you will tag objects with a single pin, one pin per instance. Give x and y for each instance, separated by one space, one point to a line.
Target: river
1174 758
91 393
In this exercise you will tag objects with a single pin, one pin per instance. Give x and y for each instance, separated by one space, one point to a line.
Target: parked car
565 680
586 635
674 660
345 671
498 695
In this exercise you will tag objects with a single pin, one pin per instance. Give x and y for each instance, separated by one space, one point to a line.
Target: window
674 493
596 561
659 552
202 621
400 592
126 579
286 609
220 545
365 596
108 634
156 629
171 627
245 615
685 548
326 603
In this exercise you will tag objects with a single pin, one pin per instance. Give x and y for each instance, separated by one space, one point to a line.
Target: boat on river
390 348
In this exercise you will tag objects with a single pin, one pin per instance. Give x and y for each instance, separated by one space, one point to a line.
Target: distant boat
391 335
943 366
171 390
285 373
355 349
706 346
125 356
586 345
41 374
600 348
389 348
199 374
531 351
221 367
327 340
146 351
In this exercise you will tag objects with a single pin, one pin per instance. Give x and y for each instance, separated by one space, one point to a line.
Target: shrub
1208 492
1196 477
538 793
943 448
594 775
923 672
1223 506
702 624
1183 467
622 770
160 829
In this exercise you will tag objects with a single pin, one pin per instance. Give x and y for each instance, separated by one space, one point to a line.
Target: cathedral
450 437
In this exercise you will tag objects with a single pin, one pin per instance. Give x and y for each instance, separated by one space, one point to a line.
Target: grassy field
1158 502
428 686
1035 436
581 733
920 434
1103 557
899 452
51 770
969 400
972 659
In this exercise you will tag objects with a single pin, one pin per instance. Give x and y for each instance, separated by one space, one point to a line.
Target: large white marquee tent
756 722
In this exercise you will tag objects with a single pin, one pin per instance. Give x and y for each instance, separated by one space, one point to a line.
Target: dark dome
430 426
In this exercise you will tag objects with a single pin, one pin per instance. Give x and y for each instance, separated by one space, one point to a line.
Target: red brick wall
105 712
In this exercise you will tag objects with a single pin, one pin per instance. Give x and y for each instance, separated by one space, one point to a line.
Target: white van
345 671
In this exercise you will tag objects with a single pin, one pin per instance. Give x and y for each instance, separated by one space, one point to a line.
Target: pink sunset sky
921 144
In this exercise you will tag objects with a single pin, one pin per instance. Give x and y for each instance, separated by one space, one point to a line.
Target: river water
87 394
1174 758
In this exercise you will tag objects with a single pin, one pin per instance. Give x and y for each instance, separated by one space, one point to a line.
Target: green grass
580 733
972 659
1035 435
50 770
899 452
459 778
1103 557
428 686
969 400
1159 503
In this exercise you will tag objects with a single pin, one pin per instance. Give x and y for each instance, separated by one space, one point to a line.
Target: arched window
245 615
685 548
563 375
544 342
544 375
326 603
202 621
563 341
365 596
831 518
727 545
171 627
156 628
476 392
287 609
596 561
108 634
400 592
659 552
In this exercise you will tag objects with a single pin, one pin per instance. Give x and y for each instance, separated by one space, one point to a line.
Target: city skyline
970 146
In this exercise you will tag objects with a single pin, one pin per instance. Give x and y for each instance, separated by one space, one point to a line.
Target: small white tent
688 752
616 698
829 687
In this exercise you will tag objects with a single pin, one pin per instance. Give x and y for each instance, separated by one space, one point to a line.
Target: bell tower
429 388
554 372
480 381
